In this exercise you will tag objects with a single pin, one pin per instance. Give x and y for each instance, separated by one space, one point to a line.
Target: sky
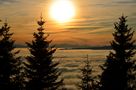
92 24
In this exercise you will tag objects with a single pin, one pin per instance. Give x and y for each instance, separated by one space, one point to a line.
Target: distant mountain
96 47
20 46
82 47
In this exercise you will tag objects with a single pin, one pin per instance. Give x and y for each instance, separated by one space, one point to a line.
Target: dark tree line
10 64
40 72
119 68
88 81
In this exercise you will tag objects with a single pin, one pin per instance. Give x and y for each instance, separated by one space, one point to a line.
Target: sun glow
62 10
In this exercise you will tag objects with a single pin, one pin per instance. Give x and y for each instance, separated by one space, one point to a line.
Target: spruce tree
18 77
42 72
8 59
88 81
119 67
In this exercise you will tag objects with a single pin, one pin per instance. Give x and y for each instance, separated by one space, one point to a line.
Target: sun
62 10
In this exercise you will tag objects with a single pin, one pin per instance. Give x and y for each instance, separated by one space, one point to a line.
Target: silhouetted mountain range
95 47
67 48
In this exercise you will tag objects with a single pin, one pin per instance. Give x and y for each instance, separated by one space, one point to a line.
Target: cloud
114 3
8 1
89 24
56 32
125 1
82 28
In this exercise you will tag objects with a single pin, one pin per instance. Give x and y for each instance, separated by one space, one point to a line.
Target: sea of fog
72 60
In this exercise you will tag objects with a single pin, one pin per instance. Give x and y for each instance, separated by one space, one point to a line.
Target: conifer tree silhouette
43 73
19 76
8 59
119 67
88 81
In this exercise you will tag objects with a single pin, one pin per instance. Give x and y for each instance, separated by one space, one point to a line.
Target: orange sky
91 26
